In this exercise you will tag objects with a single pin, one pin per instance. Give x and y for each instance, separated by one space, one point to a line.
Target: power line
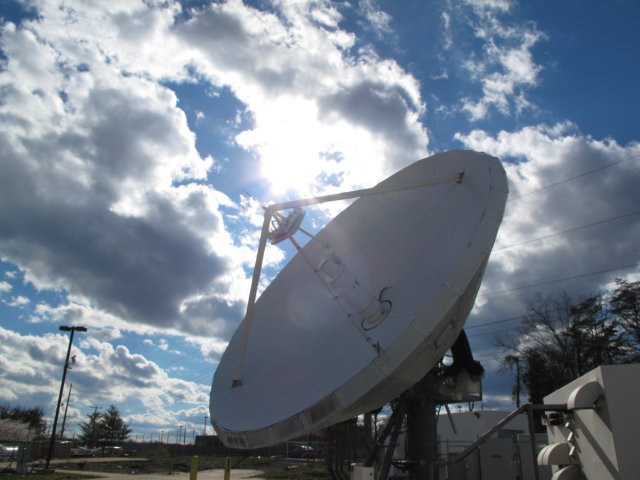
493 332
575 177
559 280
599 222
504 320
206 371
196 376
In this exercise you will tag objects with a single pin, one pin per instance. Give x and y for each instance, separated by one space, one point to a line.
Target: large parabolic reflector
318 351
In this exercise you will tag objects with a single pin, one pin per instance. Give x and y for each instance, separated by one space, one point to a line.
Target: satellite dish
367 307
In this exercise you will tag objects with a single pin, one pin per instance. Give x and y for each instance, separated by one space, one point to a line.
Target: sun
288 173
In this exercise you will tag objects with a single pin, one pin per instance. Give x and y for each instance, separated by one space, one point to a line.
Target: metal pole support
227 468
194 468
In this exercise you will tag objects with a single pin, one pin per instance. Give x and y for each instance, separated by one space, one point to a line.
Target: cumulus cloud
27 364
571 221
292 75
100 167
89 179
108 202
102 373
18 301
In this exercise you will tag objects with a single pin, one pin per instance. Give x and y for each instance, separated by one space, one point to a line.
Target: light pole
161 434
64 376
204 433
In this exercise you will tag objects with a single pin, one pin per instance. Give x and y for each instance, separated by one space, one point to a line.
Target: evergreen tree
91 430
114 430
104 429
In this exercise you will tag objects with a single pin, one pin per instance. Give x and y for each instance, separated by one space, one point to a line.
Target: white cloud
515 70
27 365
378 19
91 172
18 301
11 274
572 212
116 375
292 76
114 179
482 5
446 29
504 68
111 203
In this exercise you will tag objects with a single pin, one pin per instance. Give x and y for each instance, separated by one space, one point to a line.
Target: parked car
84 452
301 451
8 452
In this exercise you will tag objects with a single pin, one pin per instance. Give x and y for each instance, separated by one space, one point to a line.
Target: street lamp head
64 328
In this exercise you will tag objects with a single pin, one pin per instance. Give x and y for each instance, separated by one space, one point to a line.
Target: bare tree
625 305
560 340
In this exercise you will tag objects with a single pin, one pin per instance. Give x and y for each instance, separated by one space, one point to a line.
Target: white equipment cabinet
362 473
598 434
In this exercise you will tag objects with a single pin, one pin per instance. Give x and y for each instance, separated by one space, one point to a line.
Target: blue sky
139 139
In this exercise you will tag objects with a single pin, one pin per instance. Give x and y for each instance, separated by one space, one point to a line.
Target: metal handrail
529 408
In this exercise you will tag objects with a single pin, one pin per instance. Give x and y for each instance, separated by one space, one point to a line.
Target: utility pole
66 407
64 376
517 360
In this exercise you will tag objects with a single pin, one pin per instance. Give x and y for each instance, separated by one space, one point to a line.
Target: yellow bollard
227 468
194 468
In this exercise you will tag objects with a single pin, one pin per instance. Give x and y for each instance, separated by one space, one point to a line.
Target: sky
139 140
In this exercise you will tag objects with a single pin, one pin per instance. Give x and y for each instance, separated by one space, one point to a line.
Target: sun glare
287 173
288 145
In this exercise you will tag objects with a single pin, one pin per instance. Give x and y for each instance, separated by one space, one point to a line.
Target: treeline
102 429
31 418
561 339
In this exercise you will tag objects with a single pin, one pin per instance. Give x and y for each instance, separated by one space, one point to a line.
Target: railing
528 409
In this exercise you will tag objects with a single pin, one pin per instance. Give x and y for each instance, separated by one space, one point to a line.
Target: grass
303 472
11 475
273 469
